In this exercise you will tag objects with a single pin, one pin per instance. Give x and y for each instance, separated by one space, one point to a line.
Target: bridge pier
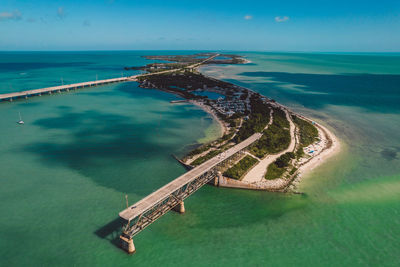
217 179
180 207
127 244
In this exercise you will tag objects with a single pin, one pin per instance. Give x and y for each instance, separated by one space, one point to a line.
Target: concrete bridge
141 214
146 211
58 89
61 88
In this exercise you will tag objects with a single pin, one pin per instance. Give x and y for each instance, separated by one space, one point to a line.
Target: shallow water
66 171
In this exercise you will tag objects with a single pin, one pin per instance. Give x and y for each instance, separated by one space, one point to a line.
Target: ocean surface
65 173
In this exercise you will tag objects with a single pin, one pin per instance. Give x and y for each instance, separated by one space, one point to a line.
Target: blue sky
286 25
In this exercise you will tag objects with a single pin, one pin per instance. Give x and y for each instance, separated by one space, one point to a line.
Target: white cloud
16 15
61 12
281 19
248 17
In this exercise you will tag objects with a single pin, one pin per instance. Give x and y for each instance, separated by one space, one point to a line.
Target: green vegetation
292 171
283 160
206 157
258 119
199 150
308 132
197 58
299 152
240 168
276 138
278 168
183 82
274 172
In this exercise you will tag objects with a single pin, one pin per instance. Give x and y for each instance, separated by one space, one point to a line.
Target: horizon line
208 50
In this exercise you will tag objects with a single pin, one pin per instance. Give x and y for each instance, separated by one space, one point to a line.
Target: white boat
20 119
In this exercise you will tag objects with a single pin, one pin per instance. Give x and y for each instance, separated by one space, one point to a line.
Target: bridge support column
217 179
127 244
180 207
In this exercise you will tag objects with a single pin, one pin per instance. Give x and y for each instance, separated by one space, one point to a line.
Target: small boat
20 119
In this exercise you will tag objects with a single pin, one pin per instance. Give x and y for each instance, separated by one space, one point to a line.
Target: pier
171 196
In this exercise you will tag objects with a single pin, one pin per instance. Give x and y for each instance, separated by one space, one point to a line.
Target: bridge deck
62 87
151 200
10 96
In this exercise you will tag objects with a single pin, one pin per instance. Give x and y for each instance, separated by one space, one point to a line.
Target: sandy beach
316 154
321 156
224 127
327 146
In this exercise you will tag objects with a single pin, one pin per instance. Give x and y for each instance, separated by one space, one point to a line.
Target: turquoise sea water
66 171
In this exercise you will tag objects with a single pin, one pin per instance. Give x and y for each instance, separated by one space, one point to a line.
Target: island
290 144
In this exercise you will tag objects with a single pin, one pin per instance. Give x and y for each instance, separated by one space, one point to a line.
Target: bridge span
61 88
141 214
58 89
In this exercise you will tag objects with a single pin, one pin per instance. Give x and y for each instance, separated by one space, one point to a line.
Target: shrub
308 132
240 168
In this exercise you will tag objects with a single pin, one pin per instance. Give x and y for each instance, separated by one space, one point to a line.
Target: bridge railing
163 206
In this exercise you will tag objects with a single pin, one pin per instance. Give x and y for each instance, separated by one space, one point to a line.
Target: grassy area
279 167
206 157
274 172
240 168
276 138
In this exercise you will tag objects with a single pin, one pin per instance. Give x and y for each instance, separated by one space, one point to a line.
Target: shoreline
332 148
281 184
246 61
207 109
290 184
315 154
308 166
323 156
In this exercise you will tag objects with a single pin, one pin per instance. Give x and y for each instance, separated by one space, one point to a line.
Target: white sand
322 155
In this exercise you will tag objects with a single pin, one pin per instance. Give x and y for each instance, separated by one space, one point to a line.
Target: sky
284 25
